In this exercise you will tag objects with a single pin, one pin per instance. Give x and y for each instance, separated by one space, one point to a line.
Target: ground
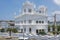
13 38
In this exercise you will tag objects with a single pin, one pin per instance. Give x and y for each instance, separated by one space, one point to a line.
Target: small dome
28 3
42 7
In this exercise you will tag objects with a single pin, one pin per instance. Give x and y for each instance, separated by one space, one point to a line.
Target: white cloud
57 2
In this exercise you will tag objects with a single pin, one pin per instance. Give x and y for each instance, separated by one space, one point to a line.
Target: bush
42 33
14 30
9 29
2 30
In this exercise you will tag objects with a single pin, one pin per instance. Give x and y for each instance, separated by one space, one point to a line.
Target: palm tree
9 30
2 30
11 24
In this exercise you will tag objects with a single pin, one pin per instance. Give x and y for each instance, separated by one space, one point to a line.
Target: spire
28 7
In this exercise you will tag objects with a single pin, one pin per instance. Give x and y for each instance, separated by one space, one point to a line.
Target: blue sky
9 7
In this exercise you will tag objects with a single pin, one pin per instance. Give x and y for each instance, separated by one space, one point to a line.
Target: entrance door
39 30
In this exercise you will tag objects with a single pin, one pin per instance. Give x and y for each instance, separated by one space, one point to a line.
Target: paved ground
13 38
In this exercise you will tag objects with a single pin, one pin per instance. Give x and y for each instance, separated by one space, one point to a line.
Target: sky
8 8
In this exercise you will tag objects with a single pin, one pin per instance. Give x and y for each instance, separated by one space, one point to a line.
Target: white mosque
32 20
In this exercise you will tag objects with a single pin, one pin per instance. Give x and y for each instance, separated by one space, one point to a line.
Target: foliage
42 33
9 29
53 28
49 28
2 30
14 30
58 28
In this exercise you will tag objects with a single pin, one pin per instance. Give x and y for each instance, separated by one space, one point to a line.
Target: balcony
30 24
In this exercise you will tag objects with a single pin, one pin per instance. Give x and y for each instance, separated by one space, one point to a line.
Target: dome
28 3
42 7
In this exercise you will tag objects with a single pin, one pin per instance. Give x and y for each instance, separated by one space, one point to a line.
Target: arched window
39 11
29 10
21 30
24 10
39 21
42 21
30 30
24 29
24 21
36 21
30 21
21 21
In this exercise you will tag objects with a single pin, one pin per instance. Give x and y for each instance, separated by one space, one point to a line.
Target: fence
46 37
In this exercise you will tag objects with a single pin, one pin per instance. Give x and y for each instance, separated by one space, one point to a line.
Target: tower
42 10
28 7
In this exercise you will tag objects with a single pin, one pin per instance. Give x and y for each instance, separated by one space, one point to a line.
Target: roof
36 14
28 3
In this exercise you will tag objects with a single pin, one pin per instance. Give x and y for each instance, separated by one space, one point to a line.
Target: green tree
49 28
42 33
14 30
58 28
9 30
2 30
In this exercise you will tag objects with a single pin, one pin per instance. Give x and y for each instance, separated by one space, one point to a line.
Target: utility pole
23 32
55 24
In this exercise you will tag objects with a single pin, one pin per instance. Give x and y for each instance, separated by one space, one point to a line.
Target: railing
31 24
33 36
4 34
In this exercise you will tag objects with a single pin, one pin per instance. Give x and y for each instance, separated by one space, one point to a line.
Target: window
39 21
36 21
24 10
30 21
21 21
42 11
37 32
42 21
21 30
29 10
24 29
42 29
30 30
24 21
39 11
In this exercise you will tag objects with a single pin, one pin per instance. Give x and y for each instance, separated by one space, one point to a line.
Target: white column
50 28
33 22
21 27
46 29
27 29
34 31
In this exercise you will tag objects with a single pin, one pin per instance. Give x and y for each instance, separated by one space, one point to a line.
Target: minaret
28 7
